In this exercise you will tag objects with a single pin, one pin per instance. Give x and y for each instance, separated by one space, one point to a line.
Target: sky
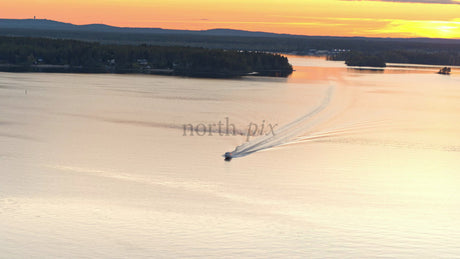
369 18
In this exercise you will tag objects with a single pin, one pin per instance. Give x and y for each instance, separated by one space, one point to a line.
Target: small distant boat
444 71
228 156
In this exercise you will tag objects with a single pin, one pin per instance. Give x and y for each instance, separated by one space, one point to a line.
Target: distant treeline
58 55
281 43
377 58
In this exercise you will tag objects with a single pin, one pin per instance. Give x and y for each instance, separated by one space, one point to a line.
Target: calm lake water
98 166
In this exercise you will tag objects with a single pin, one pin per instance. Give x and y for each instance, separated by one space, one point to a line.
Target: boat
444 71
228 156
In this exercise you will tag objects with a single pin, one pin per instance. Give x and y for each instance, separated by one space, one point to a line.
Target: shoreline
49 68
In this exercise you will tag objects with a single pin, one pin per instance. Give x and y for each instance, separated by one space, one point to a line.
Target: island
378 58
361 59
26 54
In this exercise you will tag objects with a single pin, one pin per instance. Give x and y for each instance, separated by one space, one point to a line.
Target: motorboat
228 156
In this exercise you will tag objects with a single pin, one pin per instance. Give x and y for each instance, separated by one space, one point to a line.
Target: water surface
97 165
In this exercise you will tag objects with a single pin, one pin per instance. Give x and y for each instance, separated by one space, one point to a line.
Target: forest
62 55
367 50
280 43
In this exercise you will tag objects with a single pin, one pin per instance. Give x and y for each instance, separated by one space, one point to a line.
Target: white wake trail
285 133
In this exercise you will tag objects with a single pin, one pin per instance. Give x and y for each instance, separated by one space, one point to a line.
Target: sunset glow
436 19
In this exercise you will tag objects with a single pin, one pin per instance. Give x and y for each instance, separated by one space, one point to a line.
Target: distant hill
44 24
218 38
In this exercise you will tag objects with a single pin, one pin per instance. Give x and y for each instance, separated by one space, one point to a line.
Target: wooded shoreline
24 54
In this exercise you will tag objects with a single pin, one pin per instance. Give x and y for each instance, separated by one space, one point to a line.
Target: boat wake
284 134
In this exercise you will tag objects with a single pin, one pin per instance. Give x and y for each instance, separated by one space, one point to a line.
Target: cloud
416 1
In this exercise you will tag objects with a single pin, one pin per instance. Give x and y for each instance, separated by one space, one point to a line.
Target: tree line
280 43
62 55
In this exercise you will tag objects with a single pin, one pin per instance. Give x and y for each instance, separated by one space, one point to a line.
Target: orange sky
308 17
